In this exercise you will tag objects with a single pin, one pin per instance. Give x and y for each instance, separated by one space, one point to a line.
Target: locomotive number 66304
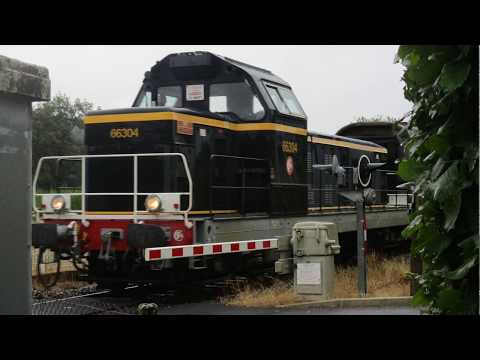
124 133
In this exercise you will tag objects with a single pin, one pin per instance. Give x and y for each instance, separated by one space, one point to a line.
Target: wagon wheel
48 257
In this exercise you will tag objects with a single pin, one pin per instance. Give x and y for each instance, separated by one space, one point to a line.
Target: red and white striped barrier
174 252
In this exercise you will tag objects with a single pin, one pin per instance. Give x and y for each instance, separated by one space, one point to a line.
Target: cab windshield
170 96
235 98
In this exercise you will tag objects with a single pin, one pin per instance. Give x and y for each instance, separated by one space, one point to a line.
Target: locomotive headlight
153 203
58 203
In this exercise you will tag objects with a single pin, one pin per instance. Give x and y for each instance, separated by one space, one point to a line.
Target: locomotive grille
329 195
309 161
311 192
328 190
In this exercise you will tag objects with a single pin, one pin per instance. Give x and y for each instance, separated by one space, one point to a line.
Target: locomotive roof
344 138
373 128
183 68
205 58
255 72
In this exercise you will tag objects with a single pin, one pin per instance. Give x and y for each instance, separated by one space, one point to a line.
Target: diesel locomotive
206 173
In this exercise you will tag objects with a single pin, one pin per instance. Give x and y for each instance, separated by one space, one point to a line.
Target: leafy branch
442 159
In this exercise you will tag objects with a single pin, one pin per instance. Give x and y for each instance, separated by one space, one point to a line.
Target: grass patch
386 278
258 295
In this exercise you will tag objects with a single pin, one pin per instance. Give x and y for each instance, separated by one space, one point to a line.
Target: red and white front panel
174 252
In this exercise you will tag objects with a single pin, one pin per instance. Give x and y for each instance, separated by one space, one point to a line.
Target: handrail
135 192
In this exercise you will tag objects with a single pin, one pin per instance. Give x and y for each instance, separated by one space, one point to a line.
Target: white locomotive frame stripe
177 252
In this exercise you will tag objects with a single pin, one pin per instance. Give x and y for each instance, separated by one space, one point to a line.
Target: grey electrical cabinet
314 246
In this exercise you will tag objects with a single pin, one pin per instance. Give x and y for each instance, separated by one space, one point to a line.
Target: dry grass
386 278
280 293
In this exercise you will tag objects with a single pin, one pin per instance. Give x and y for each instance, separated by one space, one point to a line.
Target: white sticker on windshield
195 92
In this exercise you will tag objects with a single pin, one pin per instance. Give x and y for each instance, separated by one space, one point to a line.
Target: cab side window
277 100
284 100
144 100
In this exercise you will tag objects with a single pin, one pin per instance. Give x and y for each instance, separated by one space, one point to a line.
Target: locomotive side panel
323 187
289 189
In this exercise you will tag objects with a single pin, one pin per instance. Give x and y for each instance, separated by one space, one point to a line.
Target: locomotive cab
209 83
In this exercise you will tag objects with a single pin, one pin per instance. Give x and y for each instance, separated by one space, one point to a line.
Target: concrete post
20 85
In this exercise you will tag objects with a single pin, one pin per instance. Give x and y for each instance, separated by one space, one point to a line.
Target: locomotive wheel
44 258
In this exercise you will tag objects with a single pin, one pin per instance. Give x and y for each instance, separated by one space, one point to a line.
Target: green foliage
363 119
58 128
442 159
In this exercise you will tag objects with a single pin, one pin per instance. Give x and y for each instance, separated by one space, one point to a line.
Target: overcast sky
335 84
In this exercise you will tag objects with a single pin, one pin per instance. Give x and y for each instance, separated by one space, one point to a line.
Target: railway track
88 304
126 302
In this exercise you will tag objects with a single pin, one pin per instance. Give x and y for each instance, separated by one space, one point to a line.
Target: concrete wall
20 84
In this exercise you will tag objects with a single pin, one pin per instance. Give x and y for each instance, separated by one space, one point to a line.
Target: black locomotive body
383 133
323 186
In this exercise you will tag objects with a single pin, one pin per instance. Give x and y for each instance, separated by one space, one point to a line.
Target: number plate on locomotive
124 133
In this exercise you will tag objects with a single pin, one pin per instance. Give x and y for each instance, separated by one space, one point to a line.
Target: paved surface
211 308
93 306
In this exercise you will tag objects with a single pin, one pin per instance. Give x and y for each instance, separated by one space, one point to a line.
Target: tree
442 160
58 127
363 119
58 130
